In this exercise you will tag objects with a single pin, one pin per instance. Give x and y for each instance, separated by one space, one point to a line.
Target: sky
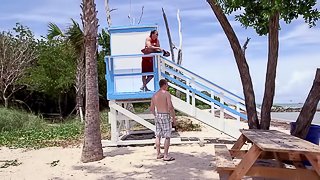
206 50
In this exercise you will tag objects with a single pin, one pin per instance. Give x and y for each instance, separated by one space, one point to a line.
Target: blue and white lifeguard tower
124 79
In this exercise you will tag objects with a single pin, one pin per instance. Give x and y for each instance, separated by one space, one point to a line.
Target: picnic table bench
273 154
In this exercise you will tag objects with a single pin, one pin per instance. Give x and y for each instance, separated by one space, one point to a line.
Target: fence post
221 107
188 92
193 97
212 103
238 110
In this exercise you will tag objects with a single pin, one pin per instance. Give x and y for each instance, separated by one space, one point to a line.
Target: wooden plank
314 161
132 116
275 141
237 153
245 164
223 158
240 142
295 157
283 173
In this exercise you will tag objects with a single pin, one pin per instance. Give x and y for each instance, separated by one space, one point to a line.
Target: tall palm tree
74 35
92 147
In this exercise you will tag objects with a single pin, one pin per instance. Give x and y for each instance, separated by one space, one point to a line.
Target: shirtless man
161 101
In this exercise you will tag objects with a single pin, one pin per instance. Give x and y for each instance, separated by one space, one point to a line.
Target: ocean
292 116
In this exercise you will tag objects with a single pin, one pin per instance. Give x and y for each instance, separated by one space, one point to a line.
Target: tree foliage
54 71
17 53
264 17
256 14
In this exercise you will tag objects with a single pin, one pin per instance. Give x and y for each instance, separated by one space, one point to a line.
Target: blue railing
112 94
180 72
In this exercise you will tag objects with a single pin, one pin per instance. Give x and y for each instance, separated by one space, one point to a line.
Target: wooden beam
246 163
314 161
132 116
240 142
295 157
283 173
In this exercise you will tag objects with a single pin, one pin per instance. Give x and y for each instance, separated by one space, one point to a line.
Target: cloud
301 34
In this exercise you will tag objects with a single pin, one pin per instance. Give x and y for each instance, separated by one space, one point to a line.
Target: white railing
200 89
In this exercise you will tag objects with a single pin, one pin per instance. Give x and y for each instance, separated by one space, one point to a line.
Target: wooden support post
113 123
314 161
246 163
240 142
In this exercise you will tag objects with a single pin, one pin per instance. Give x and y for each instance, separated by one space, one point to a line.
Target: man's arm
152 107
149 45
171 108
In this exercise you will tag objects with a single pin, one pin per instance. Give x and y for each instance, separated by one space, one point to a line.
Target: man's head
163 84
154 34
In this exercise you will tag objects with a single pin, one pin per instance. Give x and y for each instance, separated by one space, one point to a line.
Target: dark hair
163 82
153 32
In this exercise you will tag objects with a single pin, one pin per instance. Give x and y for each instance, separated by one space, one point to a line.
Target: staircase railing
197 89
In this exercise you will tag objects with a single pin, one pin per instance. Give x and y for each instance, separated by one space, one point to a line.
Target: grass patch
23 130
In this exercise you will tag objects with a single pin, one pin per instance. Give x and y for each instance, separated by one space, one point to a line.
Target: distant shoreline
277 108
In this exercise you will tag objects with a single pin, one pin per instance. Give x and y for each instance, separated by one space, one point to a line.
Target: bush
20 130
12 120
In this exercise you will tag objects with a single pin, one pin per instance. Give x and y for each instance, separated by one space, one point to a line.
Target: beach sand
192 162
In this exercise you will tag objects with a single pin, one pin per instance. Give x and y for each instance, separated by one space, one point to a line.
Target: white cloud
301 34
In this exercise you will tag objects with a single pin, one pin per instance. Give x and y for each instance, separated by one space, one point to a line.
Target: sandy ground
192 162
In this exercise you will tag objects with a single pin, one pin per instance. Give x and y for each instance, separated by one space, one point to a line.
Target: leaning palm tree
76 38
92 147
73 35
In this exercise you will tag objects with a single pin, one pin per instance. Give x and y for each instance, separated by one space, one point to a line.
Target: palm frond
75 35
54 31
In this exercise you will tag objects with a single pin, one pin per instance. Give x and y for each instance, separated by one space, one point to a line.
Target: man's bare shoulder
155 94
167 94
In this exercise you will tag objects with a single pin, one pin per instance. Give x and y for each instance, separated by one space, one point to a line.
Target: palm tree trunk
92 147
243 67
80 84
271 71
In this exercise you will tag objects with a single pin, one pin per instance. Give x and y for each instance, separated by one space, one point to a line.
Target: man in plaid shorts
162 108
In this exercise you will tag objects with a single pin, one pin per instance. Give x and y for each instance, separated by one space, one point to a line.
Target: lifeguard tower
124 79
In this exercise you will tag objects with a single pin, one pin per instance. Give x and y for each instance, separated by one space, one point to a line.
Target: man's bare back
161 101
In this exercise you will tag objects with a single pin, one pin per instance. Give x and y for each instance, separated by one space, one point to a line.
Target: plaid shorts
163 125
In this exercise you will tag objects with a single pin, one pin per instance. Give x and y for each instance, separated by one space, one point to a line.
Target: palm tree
74 35
92 147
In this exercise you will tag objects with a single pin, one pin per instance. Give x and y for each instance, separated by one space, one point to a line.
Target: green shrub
12 120
20 130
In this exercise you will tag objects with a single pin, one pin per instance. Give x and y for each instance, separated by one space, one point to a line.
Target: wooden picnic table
287 153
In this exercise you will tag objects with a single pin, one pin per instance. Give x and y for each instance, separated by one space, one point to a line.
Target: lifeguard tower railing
125 81
199 98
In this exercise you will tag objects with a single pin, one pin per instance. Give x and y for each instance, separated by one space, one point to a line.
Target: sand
192 162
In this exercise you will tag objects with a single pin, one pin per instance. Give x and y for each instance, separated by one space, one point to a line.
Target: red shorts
147 64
